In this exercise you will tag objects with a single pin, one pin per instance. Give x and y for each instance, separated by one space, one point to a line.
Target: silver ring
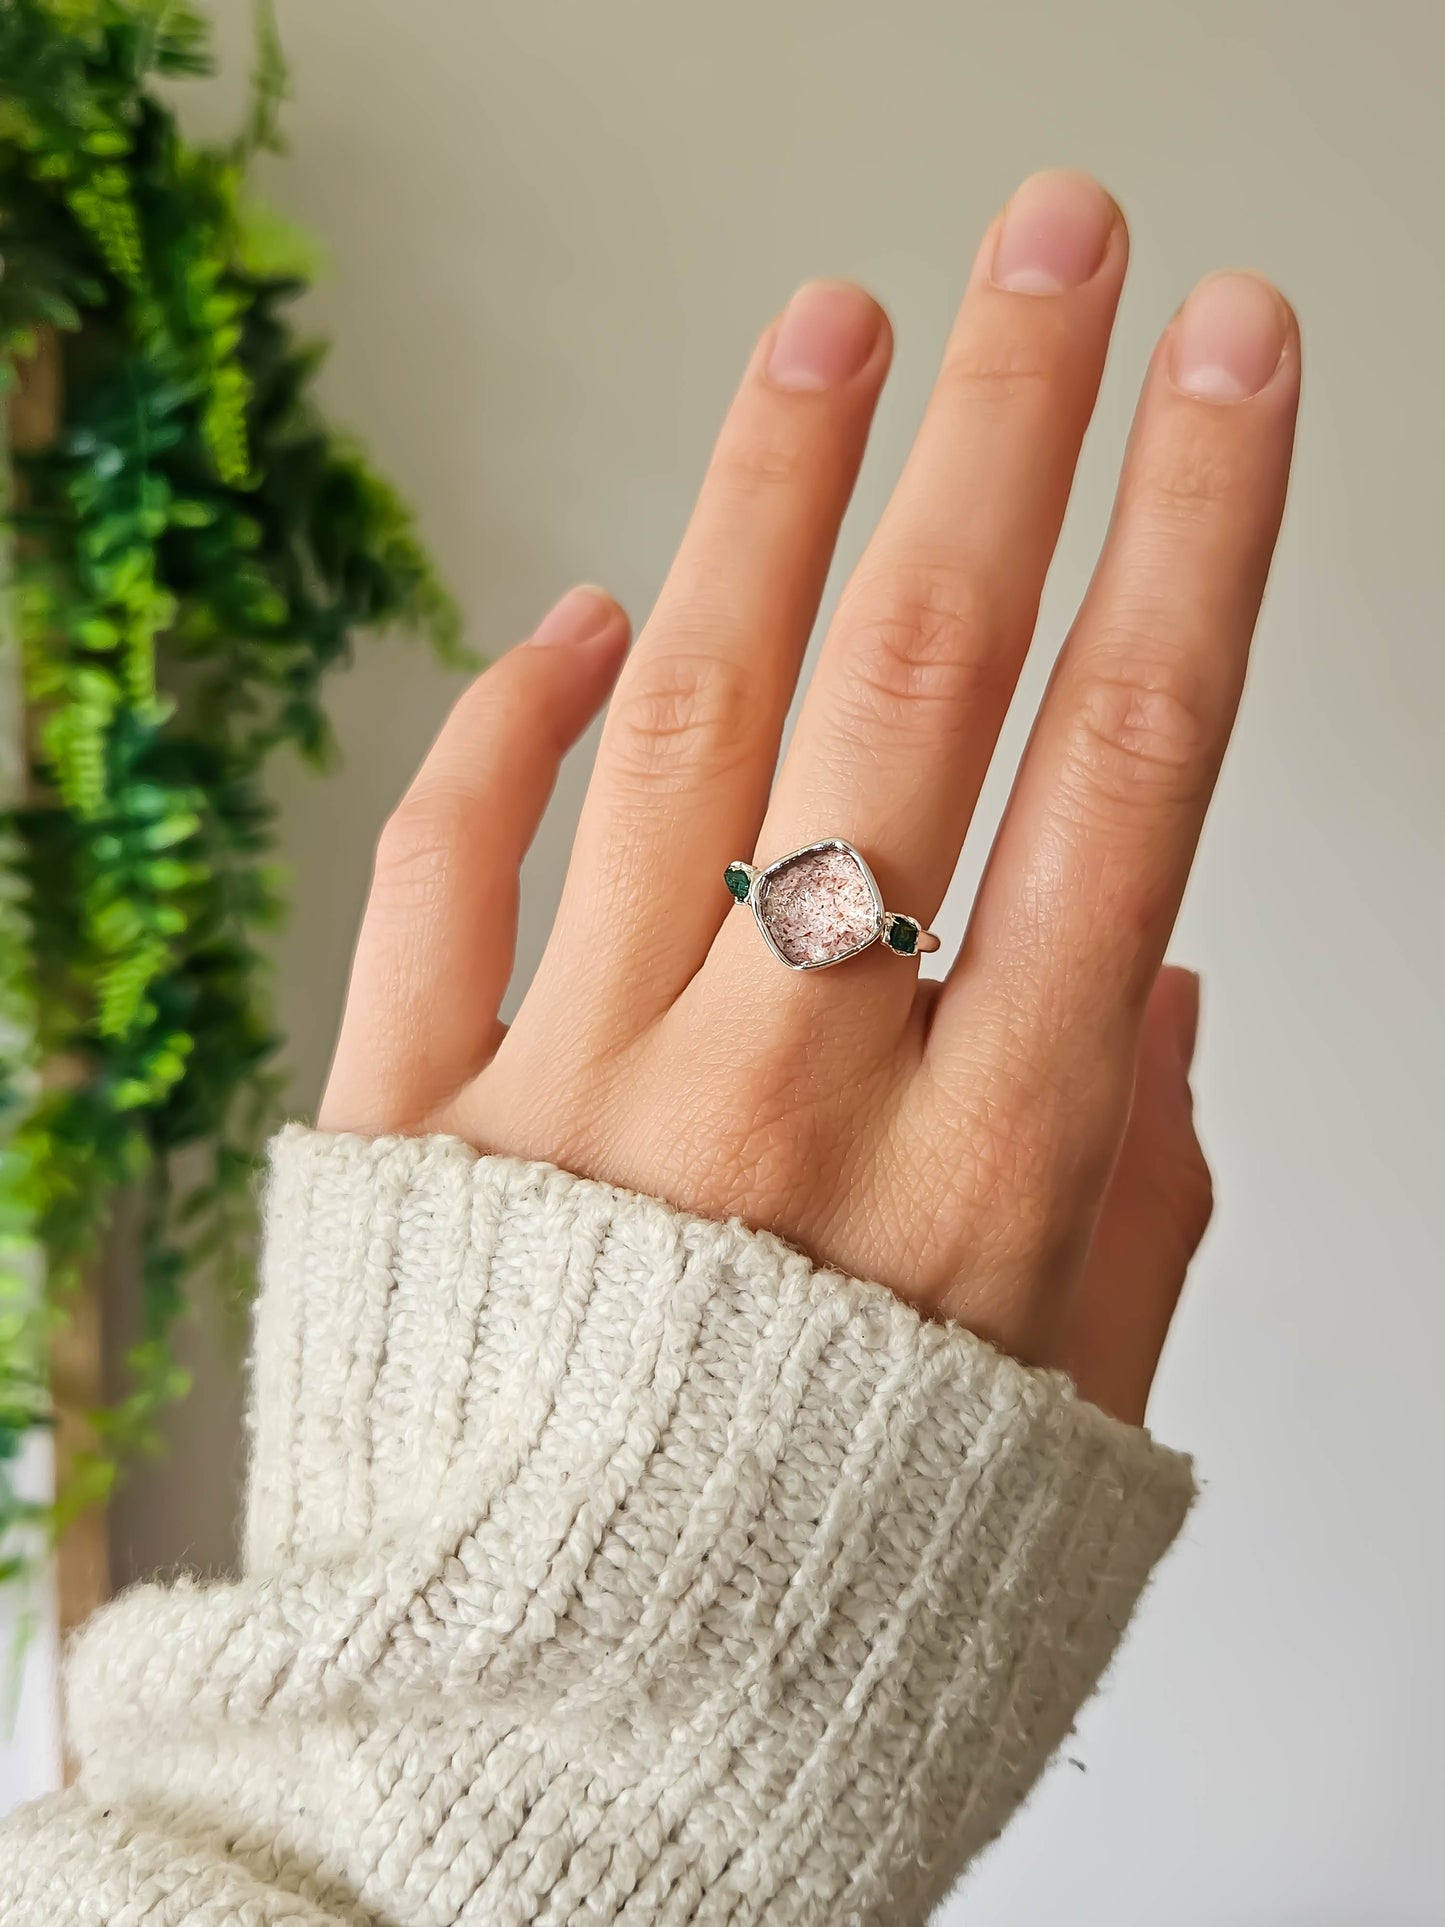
820 905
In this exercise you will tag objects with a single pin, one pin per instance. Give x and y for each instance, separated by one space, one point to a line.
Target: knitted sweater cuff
434 1322
603 1563
654 1461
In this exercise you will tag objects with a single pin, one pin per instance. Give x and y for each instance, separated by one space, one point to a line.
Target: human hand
1011 1147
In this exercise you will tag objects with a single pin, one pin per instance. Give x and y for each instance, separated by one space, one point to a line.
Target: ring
819 905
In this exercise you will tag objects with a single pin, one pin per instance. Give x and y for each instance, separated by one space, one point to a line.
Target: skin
1013 1147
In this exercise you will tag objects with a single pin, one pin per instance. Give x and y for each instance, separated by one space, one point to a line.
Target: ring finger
921 660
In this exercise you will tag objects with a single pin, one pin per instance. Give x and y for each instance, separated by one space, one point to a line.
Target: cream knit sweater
602 1564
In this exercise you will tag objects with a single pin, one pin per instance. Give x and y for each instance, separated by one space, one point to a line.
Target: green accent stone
738 881
902 935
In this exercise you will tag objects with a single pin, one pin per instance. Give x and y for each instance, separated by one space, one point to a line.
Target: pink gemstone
818 907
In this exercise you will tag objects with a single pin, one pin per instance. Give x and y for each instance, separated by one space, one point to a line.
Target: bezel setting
903 935
739 878
757 899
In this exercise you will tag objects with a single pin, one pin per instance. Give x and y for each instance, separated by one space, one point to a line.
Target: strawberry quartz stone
818 906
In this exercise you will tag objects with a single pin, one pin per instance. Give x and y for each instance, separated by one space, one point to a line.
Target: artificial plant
188 556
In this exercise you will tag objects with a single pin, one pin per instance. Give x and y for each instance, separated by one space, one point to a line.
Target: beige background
553 231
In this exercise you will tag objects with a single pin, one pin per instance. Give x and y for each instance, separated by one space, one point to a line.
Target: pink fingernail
584 614
1228 338
1055 231
828 331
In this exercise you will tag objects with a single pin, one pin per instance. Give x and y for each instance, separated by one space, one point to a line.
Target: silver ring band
821 905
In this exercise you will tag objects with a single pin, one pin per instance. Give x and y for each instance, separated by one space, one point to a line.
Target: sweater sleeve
602 1564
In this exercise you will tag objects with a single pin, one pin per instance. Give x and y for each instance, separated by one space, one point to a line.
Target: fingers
692 734
1096 844
921 660
437 941
1155 1213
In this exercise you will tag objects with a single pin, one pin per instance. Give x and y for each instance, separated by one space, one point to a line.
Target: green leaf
199 549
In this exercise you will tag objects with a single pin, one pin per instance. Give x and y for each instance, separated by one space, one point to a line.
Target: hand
1012 1147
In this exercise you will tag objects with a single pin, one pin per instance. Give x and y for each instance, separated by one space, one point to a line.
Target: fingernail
1187 1016
827 333
1055 231
1228 338
584 614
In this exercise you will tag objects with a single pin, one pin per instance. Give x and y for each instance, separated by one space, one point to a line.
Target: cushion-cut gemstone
902 935
738 881
818 906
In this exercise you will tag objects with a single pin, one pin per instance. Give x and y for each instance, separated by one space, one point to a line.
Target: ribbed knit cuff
662 1467
431 1316
603 1564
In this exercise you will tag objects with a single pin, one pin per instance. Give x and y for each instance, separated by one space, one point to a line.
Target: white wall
554 230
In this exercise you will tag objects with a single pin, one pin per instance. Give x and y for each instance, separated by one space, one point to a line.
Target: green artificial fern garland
190 555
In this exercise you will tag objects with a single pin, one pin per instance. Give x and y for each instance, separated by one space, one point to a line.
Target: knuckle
756 461
1000 368
1147 728
511 702
497 703
419 845
680 708
931 640
1187 481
